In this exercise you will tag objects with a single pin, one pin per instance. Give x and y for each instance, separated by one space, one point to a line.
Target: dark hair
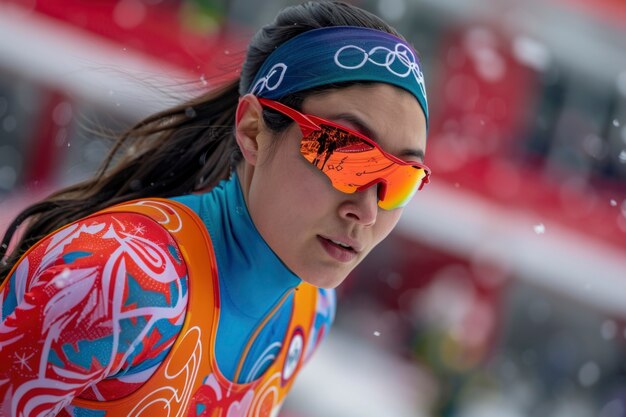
185 148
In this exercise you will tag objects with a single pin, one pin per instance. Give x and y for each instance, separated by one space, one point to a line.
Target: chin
325 280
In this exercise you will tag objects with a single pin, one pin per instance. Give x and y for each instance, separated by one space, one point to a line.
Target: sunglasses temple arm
425 180
305 123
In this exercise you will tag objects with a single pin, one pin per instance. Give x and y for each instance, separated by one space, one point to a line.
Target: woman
206 290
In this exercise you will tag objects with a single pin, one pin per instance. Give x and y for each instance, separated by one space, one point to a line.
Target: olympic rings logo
401 54
272 80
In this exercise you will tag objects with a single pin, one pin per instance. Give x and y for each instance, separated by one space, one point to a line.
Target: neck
244 174
253 278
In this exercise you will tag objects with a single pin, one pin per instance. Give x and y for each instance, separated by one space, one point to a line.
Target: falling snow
539 228
190 112
608 330
588 374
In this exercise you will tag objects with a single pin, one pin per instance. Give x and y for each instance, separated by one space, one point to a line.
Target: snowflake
139 230
23 361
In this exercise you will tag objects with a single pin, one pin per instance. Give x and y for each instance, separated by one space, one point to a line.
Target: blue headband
340 53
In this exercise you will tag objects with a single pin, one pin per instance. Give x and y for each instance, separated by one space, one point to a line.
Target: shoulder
100 237
105 247
102 295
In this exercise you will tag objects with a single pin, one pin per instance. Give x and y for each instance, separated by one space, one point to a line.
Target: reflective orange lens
354 162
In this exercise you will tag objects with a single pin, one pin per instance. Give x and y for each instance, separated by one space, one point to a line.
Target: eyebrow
363 128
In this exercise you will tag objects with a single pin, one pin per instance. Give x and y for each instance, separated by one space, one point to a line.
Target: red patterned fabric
102 298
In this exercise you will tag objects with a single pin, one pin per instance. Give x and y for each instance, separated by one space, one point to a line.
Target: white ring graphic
401 53
263 84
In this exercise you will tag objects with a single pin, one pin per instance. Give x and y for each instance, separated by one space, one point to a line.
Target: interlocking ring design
401 53
271 81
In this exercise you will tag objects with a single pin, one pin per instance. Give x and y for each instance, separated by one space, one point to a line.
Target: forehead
389 115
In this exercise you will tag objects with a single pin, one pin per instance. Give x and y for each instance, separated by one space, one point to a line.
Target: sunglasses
353 162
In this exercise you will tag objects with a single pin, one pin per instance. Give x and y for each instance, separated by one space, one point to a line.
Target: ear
248 122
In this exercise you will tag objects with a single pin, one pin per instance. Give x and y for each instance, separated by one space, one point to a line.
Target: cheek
295 182
286 196
386 222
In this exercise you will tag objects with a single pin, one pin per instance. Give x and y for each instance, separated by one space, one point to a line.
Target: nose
361 207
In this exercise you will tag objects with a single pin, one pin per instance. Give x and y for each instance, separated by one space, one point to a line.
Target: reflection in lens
353 164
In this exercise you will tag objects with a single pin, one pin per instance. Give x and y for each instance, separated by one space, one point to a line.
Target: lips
341 249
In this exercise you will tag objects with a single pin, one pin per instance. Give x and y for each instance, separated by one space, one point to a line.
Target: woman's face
293 204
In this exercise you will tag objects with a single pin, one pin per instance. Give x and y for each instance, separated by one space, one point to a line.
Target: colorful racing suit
117 315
